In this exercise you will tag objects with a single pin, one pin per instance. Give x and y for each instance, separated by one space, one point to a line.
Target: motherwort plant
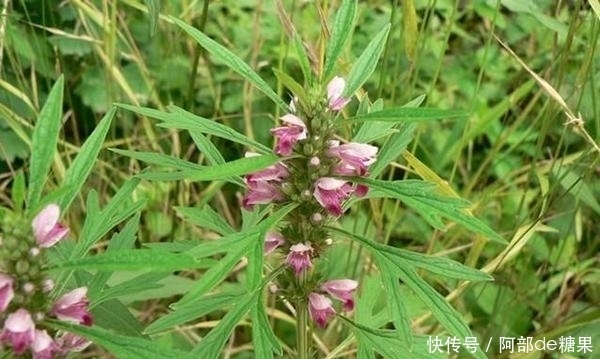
331 145
316 173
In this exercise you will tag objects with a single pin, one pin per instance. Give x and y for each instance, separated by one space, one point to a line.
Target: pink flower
69 342
43 346
287 136
354 157
19 331
299 257
341 289
46 228
264 186
335 88
73 307
6 291
262 192
277 172
320 308
331 192
272 241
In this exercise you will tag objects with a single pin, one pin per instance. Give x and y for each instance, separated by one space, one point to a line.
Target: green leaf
121 346
43 143
422 197
392 148
135 259
387 343
83 164
183 119
372 130
434 264
263 338
448 317
396 305
99 222
193 310
153 13
236 245
211 345
113 315
231 60
207 218
159 159
123 240
213 156
365 65
409 114
18 191
239 167
135 285
303 58
340 32
217 273
292 85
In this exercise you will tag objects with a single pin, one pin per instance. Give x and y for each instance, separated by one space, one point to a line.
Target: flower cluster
318 173
321 308
24 294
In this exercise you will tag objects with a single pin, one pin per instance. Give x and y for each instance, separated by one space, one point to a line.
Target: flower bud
315 161
316 218
28 288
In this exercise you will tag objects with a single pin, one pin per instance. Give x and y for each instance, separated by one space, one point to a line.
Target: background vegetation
530 173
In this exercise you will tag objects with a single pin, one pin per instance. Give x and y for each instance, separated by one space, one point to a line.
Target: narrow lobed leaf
231 60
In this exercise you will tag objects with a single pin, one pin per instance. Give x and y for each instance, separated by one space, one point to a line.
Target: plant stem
302 343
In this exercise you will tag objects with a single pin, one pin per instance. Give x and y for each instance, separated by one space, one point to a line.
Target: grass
528 168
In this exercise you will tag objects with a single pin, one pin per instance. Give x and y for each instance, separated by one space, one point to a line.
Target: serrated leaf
124 347
409 114
231 60
135 259
238 167
422 197
43 143
343 24
365 65
84 162
193 310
